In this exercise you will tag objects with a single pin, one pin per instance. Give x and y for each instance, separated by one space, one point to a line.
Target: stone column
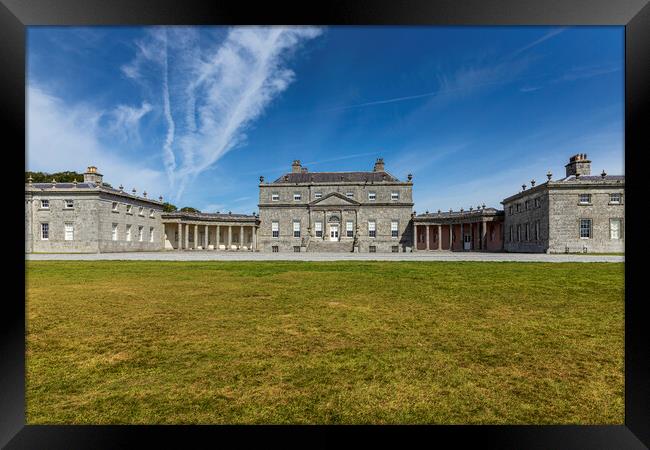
216 245
324 224
187 235
415 237
254 232
206 240
180 236
484 236
229 246
439 237
462 237
451 236
196 236
241 237
427 238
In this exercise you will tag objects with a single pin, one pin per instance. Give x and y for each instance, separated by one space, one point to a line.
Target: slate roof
333 177
456 214
573 178
93 186
207 216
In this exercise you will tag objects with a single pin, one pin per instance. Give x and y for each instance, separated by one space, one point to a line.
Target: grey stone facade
334 211
80 218
578 213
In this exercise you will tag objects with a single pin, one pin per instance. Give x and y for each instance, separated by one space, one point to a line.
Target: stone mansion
302 211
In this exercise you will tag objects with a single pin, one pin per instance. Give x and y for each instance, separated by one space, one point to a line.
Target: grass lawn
113 342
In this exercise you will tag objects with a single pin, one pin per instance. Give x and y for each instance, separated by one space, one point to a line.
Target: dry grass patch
333 342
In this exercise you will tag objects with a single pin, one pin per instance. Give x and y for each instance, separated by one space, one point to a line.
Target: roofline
29 188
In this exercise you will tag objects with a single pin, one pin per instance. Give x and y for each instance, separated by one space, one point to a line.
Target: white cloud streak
63 136
213 93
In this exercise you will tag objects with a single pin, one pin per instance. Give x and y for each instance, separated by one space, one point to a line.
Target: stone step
329 246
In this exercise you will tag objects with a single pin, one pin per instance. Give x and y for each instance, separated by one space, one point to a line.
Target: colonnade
205 243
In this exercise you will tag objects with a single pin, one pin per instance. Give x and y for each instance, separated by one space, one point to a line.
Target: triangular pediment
335 199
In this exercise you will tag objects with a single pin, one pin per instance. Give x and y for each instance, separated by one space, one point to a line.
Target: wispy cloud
211 95
63 136
536 42
125 120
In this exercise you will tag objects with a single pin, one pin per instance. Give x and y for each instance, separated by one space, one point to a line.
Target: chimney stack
303 170
295 166
92 176
379 165
578 165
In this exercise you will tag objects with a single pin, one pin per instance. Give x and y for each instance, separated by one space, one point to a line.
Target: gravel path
247 256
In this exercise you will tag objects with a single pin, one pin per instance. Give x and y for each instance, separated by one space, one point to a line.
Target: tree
189 209
168 207
60 177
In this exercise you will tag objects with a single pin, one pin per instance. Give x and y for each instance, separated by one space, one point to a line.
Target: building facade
335 211
203 231
304 211
579 213
479 229
90 217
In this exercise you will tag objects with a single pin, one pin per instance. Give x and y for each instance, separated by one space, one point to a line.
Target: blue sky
197 114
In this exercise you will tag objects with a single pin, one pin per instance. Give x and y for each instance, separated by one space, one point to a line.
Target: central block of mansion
335 211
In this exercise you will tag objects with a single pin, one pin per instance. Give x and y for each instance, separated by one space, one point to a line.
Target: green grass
112 342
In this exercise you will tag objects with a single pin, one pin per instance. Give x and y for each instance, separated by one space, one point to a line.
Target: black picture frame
16 15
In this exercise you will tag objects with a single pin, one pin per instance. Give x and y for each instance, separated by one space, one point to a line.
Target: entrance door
334 232
467 242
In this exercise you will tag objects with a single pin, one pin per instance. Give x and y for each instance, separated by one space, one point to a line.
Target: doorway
334 232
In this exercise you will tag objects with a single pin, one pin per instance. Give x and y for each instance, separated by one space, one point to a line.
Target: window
615 198
372 232
296 228
394 195
372 249
537 230
518 233
128 232
393 229
114 207
275 229
140 233
69 231
349 228
585 199
585 228
296 249
318 194
318 226
537 202
151 213
69 204
274 249
518 207
527 234
615 228
275 197
141 211
527 205
510 210
395 249
297 196
510 233
372 196
151 234
349 194
45 204
128 209
45 231
114 232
